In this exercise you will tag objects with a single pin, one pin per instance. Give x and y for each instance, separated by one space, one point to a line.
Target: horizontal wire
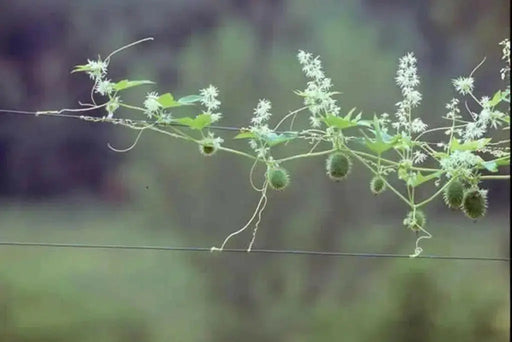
253 251
176 124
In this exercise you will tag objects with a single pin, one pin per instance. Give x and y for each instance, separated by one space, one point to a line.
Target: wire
176 124
253 251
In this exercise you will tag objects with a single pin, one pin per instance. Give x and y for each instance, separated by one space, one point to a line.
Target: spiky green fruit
338 166
207 149
474 203
278 178
454 194
415 220
377 185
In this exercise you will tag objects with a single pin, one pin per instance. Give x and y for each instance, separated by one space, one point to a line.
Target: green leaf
472 145
345 122
81 68
420 179
503 161
273 139
167 101
382 141
190 99
336 121
125 84
245 135
199 122
490 165
496 99
365 123
440 155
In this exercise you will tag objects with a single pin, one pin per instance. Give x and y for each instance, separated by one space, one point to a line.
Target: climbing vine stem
390 147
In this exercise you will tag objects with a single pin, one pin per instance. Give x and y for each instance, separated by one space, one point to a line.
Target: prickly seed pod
377 185
454 194
278 178
417 221
338 166
207 149
474 203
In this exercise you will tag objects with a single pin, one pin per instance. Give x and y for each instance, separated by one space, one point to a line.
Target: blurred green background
60 183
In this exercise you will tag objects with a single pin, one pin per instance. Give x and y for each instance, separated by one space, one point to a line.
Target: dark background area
59 181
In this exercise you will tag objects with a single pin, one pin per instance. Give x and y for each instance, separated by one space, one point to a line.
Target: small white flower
304 57
406 76
98 69
407 80
453 108
418 126
506 56
418 157
209 98
317 96
473 131
253 144
463 85
151 104
104 87
166 118
216 117
261 112
460 163
315 121
112 106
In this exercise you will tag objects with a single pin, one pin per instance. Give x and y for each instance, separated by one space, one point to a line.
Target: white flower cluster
506 56
317 95
104 87
418 157
151 105
112 106
209 100
464 85
487 117
460 163
260 127
384 121
98 72
453 109
262 113
97 69
407 79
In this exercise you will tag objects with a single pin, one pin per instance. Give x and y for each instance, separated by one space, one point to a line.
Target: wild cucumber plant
394 148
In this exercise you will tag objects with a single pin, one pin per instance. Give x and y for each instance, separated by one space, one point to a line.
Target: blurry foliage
105 295
172 195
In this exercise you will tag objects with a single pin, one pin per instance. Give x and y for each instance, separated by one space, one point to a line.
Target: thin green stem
384 179
288 115
437 193
305 155
240 153
495 177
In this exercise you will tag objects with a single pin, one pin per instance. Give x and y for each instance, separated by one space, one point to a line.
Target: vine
391 147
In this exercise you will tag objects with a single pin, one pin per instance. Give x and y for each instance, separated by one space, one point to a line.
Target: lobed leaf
199 122
168 101
189 99
125 84
245 135
472 145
